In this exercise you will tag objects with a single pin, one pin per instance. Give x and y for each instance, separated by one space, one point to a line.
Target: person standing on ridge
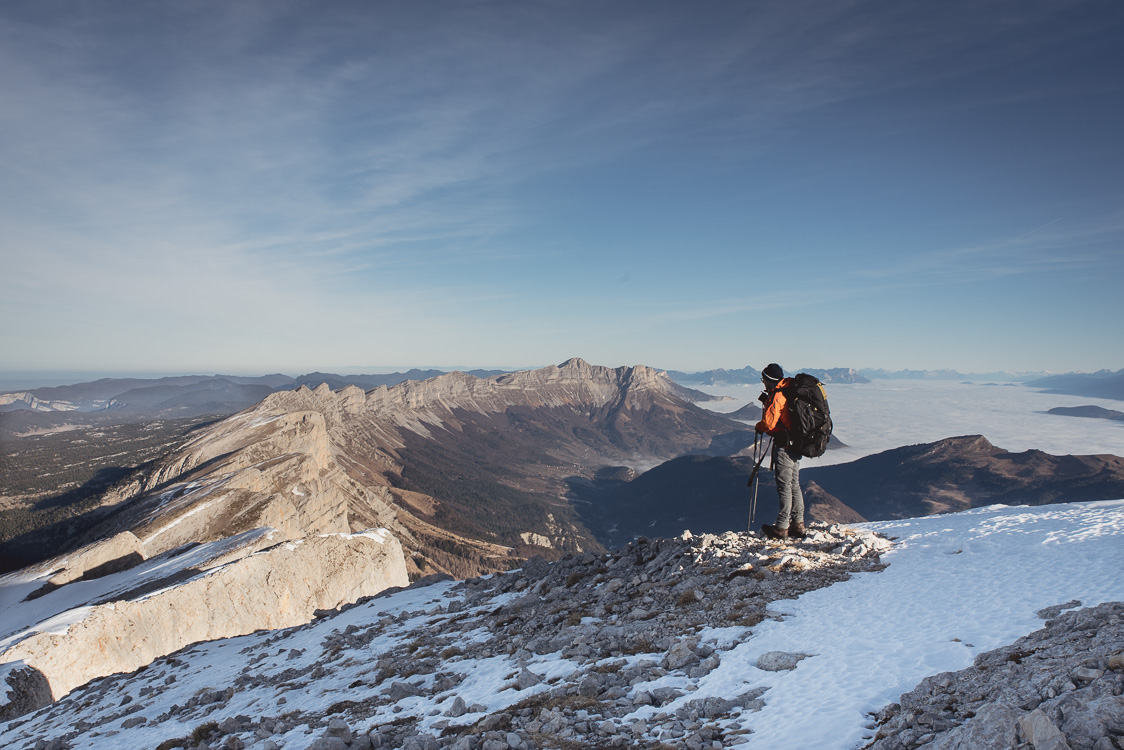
776 422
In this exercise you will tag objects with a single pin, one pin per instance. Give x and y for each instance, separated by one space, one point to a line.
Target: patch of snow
265 420
380 535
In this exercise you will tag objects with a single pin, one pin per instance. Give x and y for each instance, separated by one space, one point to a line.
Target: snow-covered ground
955 585
874 417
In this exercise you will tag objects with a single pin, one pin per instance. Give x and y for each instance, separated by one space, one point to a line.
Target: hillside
966 472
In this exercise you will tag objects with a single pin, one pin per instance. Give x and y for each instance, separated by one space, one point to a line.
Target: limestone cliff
87 629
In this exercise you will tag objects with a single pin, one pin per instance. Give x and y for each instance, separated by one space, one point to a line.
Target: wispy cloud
1054 246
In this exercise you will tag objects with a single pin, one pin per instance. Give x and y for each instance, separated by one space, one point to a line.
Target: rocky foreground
1058 687
593 650
612 650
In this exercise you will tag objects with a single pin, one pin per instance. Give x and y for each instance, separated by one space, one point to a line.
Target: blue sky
290 186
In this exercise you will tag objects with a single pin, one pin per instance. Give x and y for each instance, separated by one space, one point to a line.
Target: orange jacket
776 419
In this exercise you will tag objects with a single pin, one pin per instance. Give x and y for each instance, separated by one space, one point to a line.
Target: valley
53 483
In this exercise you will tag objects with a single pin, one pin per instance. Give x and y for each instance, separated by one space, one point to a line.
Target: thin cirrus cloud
1048 248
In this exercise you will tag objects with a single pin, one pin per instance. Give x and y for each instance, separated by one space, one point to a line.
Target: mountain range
1100 384
945 374
751 376
474 473
470 473
131 400
188 395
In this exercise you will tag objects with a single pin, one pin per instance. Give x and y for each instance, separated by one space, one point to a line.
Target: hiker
777 422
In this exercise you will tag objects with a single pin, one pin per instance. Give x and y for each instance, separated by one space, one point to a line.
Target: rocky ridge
1059 687
107 609
599 651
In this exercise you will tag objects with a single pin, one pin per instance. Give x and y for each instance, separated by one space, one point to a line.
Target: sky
257 187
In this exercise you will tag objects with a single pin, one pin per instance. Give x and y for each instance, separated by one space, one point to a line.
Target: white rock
777 661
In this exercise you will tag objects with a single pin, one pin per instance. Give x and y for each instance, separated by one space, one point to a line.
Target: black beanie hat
773 372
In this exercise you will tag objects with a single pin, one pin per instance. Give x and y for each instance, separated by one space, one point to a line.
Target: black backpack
811 419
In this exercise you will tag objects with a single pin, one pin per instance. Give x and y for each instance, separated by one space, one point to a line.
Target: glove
763 398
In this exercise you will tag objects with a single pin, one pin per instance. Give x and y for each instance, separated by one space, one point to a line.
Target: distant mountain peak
963 445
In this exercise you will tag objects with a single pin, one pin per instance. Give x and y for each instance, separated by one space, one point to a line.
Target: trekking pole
753 505
753 480
753 502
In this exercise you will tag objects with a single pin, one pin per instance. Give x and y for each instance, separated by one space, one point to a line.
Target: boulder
777 661
1041 732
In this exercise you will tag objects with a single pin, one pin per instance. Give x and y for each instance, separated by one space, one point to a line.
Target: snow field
956 585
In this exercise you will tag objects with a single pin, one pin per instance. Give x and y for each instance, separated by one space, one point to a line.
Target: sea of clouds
873 417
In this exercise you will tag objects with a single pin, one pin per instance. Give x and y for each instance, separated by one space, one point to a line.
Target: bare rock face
206 596
247 472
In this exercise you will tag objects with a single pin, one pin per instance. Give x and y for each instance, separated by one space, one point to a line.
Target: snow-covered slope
710 641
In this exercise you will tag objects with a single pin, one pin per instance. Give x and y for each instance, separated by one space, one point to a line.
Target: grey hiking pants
786 472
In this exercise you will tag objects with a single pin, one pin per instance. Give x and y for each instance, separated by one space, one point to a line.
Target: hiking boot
797 530
773 532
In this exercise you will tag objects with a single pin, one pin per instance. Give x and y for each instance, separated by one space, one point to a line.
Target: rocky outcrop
203 594
101 558
1058 687
22 689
